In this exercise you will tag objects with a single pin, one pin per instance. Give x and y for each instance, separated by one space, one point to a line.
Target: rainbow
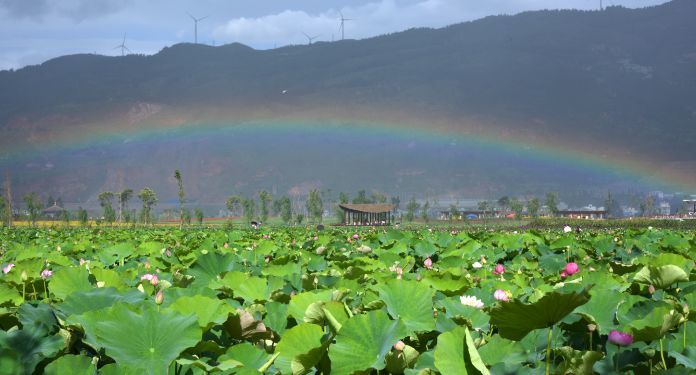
352 125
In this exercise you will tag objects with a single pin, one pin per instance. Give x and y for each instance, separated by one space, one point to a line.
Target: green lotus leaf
276 316
661 277
69 280
410 301
109 278
300 302
246 354
300 349
71 364
601 309
364 341
21 350
653 323
454 309
145 339
515 319
79 303
210 266
687 359
456 354
332 312
208 311
253 289
9 296
425 365
40 318
500 350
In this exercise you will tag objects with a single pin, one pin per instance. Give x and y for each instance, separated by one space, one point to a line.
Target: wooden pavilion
367 214
53 211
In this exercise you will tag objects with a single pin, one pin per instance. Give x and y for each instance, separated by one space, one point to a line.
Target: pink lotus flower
651 289
7 268
572 268
356 236
316 238
265 236
502 295
399 346
564 274
45 274
428 263
168 253
399 272
620 338
152 278
226 245
82 261
499 269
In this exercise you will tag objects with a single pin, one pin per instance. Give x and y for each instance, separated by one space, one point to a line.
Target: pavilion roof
54 208
368 208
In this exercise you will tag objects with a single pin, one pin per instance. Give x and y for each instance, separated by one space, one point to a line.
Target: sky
33 31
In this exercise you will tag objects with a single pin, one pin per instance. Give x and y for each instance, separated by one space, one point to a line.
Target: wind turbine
123 47
343 25
195 25
310 39
601 6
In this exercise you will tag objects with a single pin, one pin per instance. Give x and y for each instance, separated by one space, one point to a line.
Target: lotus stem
548 351
268 364
590 341
662 355
45 288
33 288
24 290
685 321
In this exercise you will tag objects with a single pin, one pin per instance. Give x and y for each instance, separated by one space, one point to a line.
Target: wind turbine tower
343 25
195 26
123 47
601 5
310 39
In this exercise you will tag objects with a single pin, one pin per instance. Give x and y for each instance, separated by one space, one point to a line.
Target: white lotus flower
477 265
567 229
471 301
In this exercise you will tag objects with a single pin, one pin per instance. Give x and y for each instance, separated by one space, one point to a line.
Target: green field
529 299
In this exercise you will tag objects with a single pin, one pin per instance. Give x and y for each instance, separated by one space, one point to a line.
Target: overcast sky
32 31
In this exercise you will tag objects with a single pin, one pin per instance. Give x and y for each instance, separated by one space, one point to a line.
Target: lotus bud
24 276
591 327
100 284
226 245
620 338
650 352
399 346
651 289
572 268
499 269
428 263
159 297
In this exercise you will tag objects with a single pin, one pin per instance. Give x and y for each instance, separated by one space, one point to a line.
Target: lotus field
346 301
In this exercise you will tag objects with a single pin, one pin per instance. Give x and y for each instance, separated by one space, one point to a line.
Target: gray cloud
76 10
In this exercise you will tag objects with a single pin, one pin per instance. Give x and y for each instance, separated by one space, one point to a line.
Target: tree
483 206
123 197
504 202
424 211
361 198
378 197
552 203
187 216
612 206
299 218
199 215
65 216
454 212
34 206
285 209
264 198
82 216
233 203
148 198
182 197
50 201
3 210
395 201
249 206
647 207
342 199
411 209
517 207
314 205
533 206
107 209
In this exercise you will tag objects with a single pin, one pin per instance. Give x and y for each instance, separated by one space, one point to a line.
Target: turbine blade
202 18
192 17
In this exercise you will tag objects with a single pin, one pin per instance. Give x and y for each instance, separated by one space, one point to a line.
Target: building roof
54 209
368 208
582 212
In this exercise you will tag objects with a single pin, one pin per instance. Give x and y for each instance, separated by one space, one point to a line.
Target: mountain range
578 102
